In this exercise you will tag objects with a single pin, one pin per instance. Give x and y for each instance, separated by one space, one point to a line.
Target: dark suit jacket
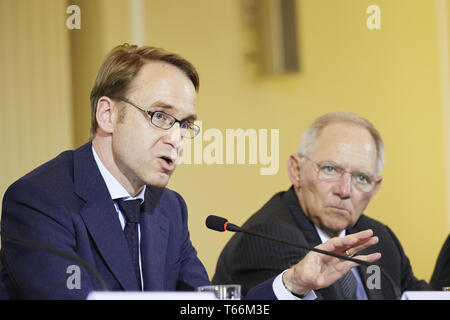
441 273
249 260
65 204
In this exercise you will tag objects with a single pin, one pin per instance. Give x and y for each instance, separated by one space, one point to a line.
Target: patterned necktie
348 286
131 210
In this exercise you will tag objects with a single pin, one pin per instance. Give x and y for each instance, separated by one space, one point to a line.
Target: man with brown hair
106 202
143 107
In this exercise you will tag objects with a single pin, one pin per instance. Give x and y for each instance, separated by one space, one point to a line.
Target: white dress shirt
117 191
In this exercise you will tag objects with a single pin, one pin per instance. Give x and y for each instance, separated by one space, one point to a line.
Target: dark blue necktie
131 209
348 286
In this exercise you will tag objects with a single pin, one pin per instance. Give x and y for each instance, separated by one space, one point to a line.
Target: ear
104 114
377 185
294 168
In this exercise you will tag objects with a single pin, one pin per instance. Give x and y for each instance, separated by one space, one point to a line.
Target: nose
344 186
173 136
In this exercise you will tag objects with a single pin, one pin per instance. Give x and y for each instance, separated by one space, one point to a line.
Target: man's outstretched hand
316 270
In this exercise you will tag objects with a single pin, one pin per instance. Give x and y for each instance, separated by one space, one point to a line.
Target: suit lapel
104 227
154 240
307 227
101 218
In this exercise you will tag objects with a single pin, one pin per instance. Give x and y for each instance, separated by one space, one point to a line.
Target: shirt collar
116 190
325 237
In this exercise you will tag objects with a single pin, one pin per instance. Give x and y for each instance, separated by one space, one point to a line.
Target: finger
370 257
361 246
346 242
343 266
361 236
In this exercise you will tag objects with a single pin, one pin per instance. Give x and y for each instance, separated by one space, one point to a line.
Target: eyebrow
163 105
334 164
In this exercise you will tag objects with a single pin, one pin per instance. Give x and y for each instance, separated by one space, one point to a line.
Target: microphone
221 224
68 256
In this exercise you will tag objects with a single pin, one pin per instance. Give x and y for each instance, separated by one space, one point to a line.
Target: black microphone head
216 223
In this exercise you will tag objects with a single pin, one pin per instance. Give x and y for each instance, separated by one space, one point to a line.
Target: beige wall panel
35 86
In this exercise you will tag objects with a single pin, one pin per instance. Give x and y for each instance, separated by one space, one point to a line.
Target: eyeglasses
166 121
330 172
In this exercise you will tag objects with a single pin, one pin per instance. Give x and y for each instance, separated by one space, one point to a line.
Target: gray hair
310 135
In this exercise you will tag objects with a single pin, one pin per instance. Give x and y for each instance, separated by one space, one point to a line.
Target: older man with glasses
334 174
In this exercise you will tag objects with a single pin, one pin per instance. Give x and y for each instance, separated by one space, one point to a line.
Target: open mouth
168 163
168 160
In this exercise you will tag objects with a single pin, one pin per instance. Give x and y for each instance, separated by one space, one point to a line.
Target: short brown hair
120 67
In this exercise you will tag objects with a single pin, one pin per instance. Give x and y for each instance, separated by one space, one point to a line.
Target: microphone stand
13 237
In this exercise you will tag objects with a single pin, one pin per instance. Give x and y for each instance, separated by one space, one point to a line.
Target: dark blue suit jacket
65 204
